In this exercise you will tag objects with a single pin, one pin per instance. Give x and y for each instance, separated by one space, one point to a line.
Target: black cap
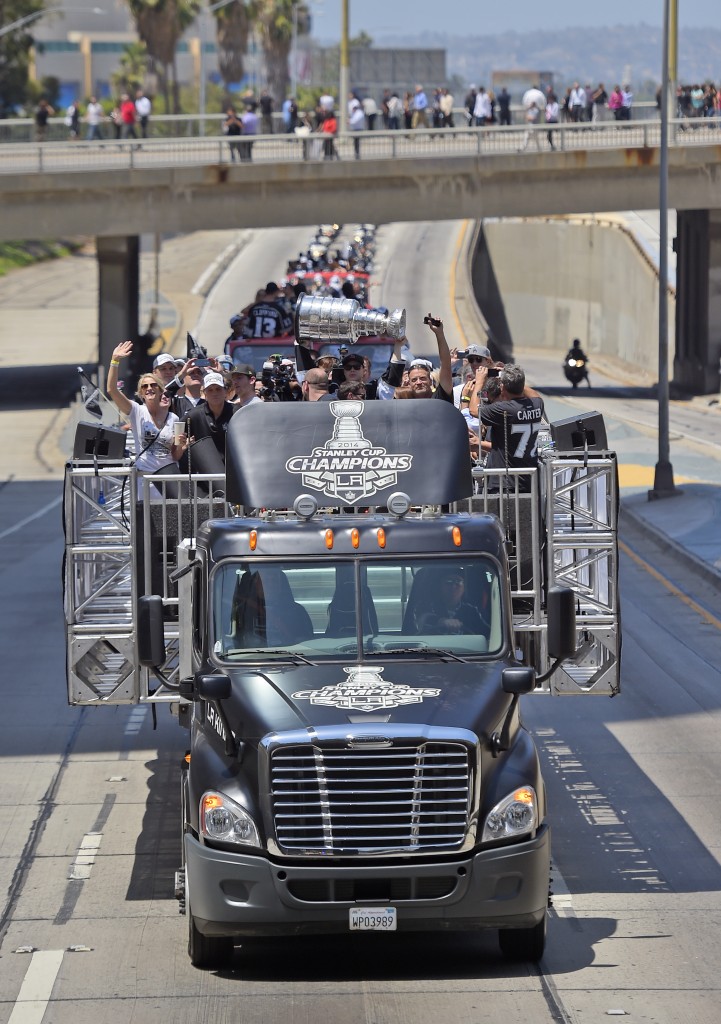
352 357
244 368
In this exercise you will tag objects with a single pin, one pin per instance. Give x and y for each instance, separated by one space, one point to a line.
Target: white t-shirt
144 430
143 107
94 113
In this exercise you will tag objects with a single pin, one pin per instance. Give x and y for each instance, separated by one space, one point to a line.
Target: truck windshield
341 609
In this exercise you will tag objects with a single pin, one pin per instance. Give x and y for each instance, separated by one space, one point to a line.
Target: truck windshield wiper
272 650
430 651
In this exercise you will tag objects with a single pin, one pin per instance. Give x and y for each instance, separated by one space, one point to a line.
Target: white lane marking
37 987
135 722
86 854
561 900
227 254
29 519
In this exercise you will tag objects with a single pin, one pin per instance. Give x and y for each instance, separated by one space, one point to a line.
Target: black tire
205 951
523 943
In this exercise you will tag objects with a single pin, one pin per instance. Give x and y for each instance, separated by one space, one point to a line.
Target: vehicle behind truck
344 625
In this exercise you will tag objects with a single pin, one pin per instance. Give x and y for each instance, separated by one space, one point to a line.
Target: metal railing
22 129
128 154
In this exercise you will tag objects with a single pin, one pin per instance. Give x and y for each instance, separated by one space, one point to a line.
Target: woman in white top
152 422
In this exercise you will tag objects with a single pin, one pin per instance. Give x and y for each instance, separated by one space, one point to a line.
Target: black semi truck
344 625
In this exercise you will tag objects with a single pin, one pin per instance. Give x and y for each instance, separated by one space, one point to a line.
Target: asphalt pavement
49 327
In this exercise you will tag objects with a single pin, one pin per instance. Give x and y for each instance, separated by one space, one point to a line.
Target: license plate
373 919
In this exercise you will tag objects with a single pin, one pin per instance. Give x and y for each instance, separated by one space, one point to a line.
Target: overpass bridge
119 190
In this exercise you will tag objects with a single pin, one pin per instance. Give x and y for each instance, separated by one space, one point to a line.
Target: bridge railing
22 129
376 145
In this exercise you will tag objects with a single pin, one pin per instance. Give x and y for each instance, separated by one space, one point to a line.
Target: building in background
82 49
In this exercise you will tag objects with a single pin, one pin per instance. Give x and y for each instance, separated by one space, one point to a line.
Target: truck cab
347 644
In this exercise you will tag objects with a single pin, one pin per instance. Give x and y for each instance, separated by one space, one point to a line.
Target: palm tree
232 28
275 24
160 24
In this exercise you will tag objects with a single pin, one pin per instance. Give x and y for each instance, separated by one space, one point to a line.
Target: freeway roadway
89 931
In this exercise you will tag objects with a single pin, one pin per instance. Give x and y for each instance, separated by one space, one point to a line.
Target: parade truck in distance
344 625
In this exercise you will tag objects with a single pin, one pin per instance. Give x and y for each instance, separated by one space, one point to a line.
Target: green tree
232 28
160 25
15 49
274 20
132 68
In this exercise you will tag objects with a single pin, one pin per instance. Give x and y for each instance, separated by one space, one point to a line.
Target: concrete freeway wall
541 283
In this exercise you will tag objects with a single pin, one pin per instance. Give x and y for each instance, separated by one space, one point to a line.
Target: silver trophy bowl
321 318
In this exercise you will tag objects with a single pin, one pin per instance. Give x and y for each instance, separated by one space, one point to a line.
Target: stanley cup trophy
321 318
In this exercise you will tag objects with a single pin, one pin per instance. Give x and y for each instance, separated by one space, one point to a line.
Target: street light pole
29 18
294 54
663 485
344 67
201 88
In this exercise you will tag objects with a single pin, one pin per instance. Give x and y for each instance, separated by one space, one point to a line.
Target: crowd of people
127 117
186 401
183 401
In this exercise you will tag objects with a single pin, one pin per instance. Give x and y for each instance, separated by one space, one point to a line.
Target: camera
202 362
431 320
493 371
276 379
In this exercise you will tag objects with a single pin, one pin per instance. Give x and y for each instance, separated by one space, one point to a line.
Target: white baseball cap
213 378
164 357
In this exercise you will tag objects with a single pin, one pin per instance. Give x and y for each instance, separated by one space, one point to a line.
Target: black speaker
93 441
576 433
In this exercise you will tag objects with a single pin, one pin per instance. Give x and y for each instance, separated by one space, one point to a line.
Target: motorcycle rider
575 365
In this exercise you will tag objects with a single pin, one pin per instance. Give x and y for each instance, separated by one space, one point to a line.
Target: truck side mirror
561 616
518 680
151 635
213 687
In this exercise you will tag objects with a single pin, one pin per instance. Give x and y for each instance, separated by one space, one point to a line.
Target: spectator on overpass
356 121
626 102
93 119
420 108
142 109
504 107
42 113
128 117
250 129
266 113
615 103
233 128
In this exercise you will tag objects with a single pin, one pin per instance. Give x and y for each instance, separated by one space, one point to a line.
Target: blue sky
462 17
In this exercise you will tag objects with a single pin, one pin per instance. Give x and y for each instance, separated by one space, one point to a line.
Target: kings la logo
366 690
348 467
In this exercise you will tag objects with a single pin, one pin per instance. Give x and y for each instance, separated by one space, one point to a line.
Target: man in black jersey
267 318
512 421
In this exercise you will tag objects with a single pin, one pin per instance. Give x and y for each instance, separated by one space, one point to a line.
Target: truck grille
409 798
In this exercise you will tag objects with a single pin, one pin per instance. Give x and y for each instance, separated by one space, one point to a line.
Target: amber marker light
523 796
381 538
354 538
253 539
187 758
329 539
457 536
211 801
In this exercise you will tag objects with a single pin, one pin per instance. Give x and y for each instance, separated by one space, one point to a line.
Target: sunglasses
149 387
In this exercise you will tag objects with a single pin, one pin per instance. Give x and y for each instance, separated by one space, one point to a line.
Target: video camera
276 379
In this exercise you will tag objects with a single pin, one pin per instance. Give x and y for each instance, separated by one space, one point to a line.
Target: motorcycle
574 367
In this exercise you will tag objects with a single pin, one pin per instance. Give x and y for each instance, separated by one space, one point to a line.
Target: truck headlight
224 821
515 815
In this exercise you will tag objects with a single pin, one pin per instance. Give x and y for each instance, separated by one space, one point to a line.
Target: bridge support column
118 287
698 301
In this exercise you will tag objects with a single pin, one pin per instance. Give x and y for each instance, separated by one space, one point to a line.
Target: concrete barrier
542 282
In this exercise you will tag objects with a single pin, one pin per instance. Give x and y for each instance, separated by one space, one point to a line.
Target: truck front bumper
234 894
